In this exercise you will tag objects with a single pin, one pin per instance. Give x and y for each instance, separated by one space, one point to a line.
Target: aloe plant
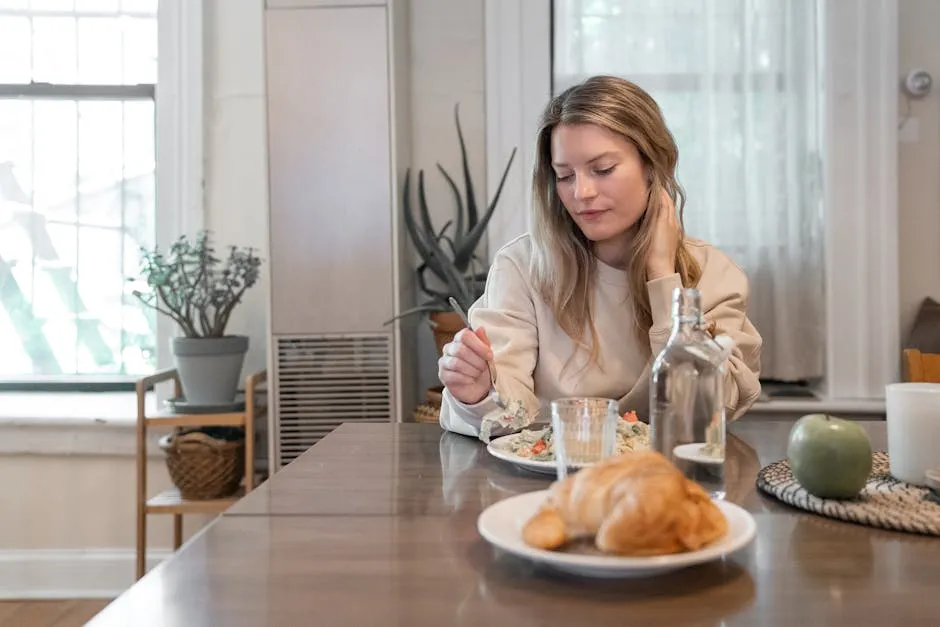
450 254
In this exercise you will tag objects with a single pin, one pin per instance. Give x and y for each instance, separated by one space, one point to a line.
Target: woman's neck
615 252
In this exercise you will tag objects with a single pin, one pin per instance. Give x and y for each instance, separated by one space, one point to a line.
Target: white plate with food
532 449
618 524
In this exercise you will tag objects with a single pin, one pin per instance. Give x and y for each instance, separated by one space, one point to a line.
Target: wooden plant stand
170 501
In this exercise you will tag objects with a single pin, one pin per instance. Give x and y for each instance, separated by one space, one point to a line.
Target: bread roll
636 504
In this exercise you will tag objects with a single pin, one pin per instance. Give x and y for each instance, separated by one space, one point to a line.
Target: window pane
140 51
52 5
100 289
16 153
99 51
15 360
139 148
55 158
146 6
100 162
77 182
54 50
668 36
97 5
93 44
139 184
15 39
77 189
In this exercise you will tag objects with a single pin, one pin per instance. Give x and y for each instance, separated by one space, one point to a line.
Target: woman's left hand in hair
662 255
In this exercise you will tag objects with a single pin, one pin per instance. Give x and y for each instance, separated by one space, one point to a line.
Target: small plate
501 525
693 453
499 448
180 405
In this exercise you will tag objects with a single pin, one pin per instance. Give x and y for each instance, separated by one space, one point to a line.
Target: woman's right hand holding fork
464 366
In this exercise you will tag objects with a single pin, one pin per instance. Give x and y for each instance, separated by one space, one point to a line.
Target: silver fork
489 365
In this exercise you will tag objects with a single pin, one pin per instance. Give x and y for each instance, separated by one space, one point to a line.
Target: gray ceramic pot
209 368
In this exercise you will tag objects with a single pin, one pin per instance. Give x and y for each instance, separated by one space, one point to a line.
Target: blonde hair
563 264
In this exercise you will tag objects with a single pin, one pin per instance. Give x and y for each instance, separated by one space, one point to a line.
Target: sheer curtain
737 81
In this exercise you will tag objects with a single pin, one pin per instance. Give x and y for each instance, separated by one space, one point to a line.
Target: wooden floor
58 613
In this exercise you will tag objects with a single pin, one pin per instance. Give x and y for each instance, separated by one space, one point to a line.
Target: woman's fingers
459 351
463 368
473 340
451 379
456 364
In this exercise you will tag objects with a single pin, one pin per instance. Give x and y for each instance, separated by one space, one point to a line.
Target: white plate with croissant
633 515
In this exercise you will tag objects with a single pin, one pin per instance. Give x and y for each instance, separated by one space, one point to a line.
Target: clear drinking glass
584 431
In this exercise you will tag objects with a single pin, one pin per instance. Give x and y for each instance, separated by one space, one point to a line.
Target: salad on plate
537 445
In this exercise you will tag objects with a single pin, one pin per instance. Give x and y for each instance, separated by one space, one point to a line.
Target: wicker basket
428 413
203 467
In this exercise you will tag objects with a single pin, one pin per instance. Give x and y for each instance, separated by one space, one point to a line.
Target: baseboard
70 573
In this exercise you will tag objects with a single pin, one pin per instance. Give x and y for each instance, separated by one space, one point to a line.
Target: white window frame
860 178
178 112
180 184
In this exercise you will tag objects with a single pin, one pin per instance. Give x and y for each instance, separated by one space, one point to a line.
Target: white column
518 86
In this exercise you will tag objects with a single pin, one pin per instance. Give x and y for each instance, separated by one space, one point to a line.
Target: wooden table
376 525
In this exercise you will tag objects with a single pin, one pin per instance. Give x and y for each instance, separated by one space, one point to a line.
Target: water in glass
584 431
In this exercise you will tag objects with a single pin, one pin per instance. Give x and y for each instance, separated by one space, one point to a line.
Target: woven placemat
884 502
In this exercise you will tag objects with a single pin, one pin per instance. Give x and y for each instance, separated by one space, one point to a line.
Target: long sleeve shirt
536 361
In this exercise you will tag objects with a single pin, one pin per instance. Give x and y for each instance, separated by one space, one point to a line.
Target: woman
582 305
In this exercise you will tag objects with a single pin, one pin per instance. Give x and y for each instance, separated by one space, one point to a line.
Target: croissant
635 504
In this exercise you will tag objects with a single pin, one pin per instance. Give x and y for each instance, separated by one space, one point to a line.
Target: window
851 112
77 164
737 83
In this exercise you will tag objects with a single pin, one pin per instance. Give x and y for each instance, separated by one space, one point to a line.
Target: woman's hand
463 368
662 256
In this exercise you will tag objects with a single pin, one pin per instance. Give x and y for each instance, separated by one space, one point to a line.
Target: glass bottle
687 409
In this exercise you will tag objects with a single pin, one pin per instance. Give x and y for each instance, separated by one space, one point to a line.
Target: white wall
81 502
919 162
447 50
235 149
69 522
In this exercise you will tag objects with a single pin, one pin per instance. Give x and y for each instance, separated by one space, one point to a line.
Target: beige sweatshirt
532 353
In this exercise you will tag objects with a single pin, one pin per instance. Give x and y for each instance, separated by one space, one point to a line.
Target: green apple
830 457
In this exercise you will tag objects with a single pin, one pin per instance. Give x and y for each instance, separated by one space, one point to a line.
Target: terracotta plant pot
446 325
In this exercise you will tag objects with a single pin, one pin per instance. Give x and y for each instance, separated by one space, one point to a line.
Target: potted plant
199 291
450 262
